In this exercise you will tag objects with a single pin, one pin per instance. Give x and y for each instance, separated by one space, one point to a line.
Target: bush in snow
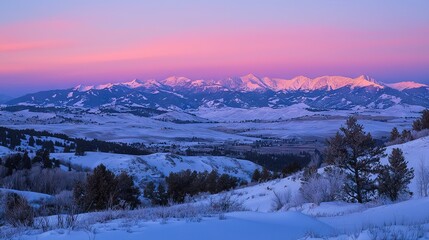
281 200
18 212
324 187
225 203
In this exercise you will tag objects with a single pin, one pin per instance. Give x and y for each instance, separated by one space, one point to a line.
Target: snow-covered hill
160 165
5 152
250 91
406 85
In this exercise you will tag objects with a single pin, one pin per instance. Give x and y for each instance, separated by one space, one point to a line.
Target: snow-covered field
404 220
211 125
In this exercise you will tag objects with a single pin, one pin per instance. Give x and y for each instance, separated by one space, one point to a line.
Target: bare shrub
18 211
281 200
422 175
43 223
323 187
225 203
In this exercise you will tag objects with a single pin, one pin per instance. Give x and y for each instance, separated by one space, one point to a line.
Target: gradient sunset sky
58 44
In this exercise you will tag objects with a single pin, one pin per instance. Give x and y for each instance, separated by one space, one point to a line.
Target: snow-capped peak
134 83
82 88
251 82
406 85
175 81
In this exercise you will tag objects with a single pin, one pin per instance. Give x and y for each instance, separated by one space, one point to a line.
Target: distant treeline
12 138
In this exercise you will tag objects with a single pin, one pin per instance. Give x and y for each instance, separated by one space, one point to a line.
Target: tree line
13 138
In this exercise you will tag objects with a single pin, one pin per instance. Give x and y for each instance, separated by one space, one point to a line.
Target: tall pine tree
394 178
356 152
394 134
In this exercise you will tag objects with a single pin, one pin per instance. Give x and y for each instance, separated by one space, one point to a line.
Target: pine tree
127 193
425 119
9 164
417 125
31 141
80 151
26 161
394 134
149 191
355 151
46 161
423 122
265 175
211 181
161 195
256 177
100 189
406 136
395 177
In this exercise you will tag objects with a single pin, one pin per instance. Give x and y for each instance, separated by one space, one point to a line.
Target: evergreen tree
127 193
100 189
394 134
67 149
149 191
46 161
9 164
211 181
265 175
161 195
26 161
19 164
355 151
423 122
31 141
425 119
395 177
80 151
256 176
406 136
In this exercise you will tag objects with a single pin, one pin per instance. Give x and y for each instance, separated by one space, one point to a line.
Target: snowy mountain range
327 92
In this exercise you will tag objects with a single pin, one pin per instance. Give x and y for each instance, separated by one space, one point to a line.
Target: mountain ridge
248 82
325 92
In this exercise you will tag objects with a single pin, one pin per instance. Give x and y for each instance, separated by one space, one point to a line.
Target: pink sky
63 45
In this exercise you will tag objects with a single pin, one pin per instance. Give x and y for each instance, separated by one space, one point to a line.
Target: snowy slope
406 85
158 165
30 196
175 116
242 225
264 113
411 211
5 152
